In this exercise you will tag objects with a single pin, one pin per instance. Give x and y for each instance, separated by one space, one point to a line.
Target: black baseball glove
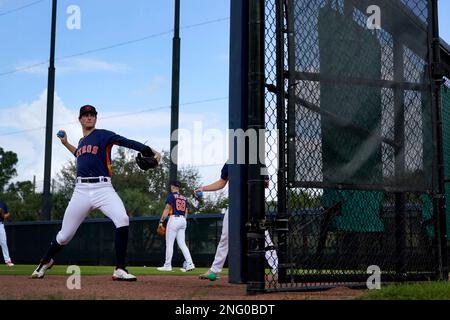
146 159
146 163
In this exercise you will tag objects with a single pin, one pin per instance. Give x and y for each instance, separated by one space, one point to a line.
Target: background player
222 247
4 214
93 190
177 212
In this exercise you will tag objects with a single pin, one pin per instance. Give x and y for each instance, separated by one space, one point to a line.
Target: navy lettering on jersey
5 209
178 203
94 152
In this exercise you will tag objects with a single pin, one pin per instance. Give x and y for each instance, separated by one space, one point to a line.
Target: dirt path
149 288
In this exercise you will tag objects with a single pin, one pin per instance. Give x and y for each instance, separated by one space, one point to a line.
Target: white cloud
151 128
30 145
156 83
71 66
93 65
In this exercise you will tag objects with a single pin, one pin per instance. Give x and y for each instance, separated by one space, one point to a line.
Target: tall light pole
175 95
47 197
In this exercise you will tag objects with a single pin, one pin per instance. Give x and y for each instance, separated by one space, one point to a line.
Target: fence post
256 111
237 253
438 181
281 226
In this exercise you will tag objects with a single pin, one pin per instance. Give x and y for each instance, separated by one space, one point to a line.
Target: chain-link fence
349 124
445 96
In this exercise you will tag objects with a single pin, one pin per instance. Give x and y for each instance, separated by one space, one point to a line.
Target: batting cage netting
351 143
445 91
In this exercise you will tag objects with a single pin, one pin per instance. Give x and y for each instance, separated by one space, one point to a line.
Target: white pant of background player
4 243
176 229
87 197
222 250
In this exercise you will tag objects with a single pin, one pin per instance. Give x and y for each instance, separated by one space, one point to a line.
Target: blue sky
126 79
133 68
125 83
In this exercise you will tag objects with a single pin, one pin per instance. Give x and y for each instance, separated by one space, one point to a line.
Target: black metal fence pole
256 111
238 102
281 226
438 179
174 111
47 196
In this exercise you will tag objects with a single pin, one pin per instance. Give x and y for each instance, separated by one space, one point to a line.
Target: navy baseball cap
176 184
87 109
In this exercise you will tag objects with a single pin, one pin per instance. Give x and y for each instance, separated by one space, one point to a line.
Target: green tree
65 181
8 161
213 203
23 202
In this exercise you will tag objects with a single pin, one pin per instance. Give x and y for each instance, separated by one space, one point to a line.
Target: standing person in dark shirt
93 190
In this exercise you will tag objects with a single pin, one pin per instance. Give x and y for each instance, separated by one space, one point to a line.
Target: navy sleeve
113 138
224 172
170 199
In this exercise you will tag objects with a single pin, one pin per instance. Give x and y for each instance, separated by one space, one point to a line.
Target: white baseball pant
222 250
176 228
4 243
87 197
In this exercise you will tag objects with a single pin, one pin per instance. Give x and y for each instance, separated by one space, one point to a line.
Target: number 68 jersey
178 204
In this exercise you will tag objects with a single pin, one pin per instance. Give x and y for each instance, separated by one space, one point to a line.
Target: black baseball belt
93 180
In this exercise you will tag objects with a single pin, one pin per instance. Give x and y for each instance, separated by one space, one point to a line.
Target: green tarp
351 148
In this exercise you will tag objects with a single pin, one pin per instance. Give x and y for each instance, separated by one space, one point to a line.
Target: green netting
351 151
427 214
359 210
446 137
351 148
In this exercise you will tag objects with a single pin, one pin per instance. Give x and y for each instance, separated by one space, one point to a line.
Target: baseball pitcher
93 189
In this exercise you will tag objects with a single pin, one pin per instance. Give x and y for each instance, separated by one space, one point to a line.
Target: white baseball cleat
39 273
9 264
123 275
164 268
188 267
207 274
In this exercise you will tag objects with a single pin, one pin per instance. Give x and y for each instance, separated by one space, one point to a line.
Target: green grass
416 291
27 270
